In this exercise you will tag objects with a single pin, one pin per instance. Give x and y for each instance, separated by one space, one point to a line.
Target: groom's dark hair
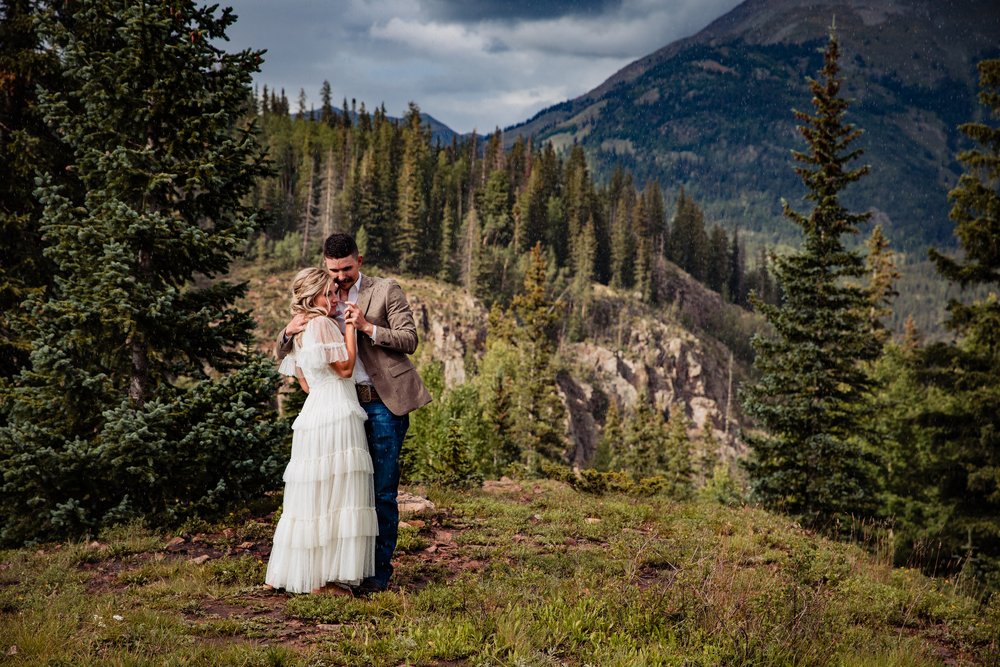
338 246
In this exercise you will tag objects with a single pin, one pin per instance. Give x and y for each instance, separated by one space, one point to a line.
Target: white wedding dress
327 528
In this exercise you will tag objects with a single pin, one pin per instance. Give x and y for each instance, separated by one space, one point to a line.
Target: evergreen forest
141 171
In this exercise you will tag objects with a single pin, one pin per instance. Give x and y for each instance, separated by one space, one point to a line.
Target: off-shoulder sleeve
288 365
322 344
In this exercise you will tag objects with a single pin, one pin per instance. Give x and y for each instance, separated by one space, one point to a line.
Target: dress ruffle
320 354
314 469
288 365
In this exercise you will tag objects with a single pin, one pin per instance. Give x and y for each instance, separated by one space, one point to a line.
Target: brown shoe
334 588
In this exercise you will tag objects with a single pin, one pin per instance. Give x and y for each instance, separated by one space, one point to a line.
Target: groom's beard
342 289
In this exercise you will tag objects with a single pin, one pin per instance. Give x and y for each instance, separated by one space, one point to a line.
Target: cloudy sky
472 64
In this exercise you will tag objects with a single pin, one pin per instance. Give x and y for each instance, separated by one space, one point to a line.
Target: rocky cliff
670 354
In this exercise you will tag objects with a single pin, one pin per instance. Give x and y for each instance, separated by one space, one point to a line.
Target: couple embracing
347 345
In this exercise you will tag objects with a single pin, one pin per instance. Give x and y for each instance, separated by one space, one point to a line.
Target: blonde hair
307 285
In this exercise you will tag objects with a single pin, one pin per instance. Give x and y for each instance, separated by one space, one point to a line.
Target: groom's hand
297 325
353 315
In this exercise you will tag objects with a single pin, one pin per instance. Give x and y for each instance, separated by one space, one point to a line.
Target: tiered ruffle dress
327 528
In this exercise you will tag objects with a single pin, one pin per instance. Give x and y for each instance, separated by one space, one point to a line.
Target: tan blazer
386 361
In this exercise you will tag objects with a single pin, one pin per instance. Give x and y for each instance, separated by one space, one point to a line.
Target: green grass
540 576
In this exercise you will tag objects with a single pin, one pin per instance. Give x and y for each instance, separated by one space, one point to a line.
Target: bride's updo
309 284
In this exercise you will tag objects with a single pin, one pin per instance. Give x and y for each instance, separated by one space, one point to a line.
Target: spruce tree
623 243
498 375
611 439
717 264
27 145
882 277
688 246
813 394
736 276
644 440
657 230
326 113
675 462
965 423
141 399
517 374
539 428
413 180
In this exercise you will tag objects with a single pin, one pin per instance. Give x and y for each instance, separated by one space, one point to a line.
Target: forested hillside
711 113
468 212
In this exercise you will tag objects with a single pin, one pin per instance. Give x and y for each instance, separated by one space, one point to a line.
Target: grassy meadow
514 573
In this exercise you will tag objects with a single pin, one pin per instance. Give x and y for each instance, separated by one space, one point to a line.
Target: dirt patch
264 610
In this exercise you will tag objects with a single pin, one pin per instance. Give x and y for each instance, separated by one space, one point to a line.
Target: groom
387 383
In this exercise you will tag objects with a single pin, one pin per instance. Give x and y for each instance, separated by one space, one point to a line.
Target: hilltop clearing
517 572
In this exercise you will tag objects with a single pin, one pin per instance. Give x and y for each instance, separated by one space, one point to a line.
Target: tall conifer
813 393
965 426
409 240
539 429
326 114
122 412
688 243
27 145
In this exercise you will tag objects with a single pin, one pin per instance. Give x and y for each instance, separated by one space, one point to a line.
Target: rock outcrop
633 350
629 349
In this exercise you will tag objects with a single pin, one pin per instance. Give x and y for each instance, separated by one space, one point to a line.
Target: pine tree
449 232
760 283
303 100
326 113
307 194
688 245
529 227
717 265
882 277
813 395
27 146
583 276
658 232
965 424
539 428
644 441
642 230
675 463
387 147
495 208
123 412
736 280
623 243
413 191
610 441
471 244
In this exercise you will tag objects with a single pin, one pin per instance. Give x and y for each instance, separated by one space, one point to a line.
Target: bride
326 534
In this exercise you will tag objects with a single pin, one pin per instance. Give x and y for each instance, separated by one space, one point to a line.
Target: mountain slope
713 111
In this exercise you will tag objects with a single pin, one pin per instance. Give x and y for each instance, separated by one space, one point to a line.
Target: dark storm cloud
515 10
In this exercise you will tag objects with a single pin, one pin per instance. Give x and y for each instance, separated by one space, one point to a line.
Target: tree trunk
138 388
308 217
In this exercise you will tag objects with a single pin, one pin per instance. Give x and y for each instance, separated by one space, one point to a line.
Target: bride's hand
356 318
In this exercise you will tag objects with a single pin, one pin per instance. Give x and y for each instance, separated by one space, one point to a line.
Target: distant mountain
713 112
440 133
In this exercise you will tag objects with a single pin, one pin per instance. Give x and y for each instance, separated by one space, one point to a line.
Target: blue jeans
385 433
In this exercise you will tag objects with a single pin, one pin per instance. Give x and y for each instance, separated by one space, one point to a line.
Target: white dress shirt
360 374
